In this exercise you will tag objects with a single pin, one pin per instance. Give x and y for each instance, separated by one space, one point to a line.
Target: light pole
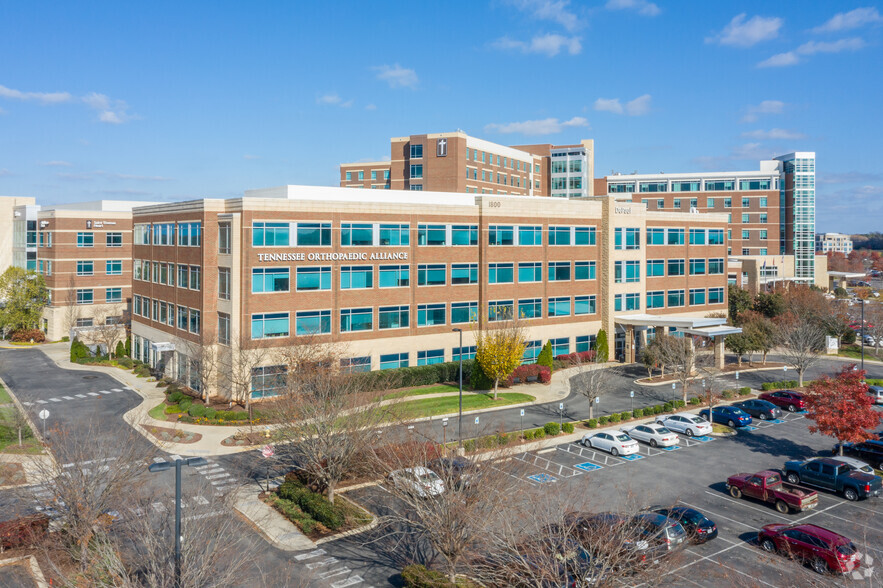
161 467
863 332
460 417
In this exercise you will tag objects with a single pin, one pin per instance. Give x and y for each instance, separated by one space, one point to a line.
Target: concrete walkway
275 528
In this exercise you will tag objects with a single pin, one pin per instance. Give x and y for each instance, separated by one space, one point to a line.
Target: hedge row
315 505
542 374
635 414
780 385
27 335
582 357
421 375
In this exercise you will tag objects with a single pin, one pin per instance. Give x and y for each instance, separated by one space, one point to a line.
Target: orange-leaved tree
499 349
841 407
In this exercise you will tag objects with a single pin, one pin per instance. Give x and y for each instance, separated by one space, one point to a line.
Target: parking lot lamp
863 331
460 417
161 467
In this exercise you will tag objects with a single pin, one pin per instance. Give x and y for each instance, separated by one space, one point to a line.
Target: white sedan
614 443
655 435
684 422
418 481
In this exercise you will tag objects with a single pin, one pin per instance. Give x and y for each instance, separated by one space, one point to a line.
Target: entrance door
619 347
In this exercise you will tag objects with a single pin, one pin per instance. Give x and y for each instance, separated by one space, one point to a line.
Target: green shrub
120 350
291 489
65 339
744 391
231 415
185 403
173 409
318 507
294 513
614 418
469 445
128 347
625 415
504 439
417 576
780 385
604 420
551 429
638 413
728 394
695 400
177 396
567 428
668 407
602 352
659 409
528 435
680 404
414 376
545 357
592 423
196 411
79 351
125 362
478 380
210 412
539 433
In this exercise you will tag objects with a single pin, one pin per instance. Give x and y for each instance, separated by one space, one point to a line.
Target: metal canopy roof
714 331
681 322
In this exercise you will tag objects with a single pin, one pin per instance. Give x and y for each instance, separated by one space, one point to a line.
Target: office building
836 242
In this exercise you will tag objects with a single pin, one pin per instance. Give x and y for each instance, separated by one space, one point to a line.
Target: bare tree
874 324
238 366
679 355
802 343
204 358
107 334
593 380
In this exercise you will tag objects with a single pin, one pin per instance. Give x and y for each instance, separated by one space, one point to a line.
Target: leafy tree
841 292
602 351
770 304
499 350
841 407
739 301
740 344
128 346
545 357
761 332
120 350
25 295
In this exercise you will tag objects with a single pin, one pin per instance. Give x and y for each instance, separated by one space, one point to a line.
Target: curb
46 450
722 374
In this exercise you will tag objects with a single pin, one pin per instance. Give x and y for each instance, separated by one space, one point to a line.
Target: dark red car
788 399
824 550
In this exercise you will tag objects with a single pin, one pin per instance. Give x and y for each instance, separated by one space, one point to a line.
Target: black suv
870 451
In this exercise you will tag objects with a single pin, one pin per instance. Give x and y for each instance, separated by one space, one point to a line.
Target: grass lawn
4 397
437 389
9 434
855 352
158 412
449 404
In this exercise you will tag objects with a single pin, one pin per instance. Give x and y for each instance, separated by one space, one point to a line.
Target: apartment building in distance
84 253
457 162
390 275
837 242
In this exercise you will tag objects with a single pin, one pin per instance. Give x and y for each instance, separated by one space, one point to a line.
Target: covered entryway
635 326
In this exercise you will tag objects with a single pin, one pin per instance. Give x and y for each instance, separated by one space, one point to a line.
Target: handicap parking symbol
587 467
704 438
632 457
776 421
670 448
749 428
542 478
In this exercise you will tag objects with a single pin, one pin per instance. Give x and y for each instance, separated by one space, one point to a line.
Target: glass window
676 203
356 364
499 310
716 266
675 298
354 277
697 236
685 186
655 236
655 268
676 267
416 171
467 351
464 235
464 312
265 280
113 267
373 175
85 268
745 218
85 239
559 235
182 318
356 319
762 218
224 283
189 234
697 296
530 271
746 234
314 278
361 175
656 299
715 295
431 274
394 276
430 315
501 273
435 235
584 305
584 343
194 277
530 235
653 186
530 308
620 188
114 239
113 295
270 234
349 176
627 238
268 380
416 151
393 317
710 203
223 328
500 235
264 326
675 236
584 236
395 234
697 267
531 351
719 185
356 234
715 236
754 184
763 234
560 346
559 271
763 201
393 360
313 234
584 270
559 306
430 356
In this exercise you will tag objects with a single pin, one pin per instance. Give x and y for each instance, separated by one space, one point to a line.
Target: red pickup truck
769 487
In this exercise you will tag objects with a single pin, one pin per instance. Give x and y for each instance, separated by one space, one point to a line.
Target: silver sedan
614 443
655 435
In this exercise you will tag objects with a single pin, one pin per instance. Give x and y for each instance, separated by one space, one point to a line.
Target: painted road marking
542 478
93 393
42 402
28 403
201 500
749 428
159 507
332 573
158 460
68 397
55 399
117 389
215 476
347 582
311 554
672 448
214 470
80 395
632 457
588 466
703 438
175 457
324 562
104 391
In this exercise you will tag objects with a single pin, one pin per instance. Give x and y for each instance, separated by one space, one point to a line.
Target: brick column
719 352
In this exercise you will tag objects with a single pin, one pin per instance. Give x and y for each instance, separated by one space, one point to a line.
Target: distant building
837 242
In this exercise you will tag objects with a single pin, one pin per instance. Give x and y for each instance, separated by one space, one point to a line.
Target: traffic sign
476 420
268 451
44 414
632 394
522 412
560 406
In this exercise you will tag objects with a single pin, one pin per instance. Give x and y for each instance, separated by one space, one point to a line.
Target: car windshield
427 478
846 549
662 430
674 531
622 437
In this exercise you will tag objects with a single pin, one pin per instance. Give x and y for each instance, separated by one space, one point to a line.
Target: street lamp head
159 467
457 330
195 461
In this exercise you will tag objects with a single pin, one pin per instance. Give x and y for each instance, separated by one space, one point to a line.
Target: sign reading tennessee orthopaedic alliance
336 256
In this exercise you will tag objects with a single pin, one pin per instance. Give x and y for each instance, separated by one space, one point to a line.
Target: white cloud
637 107
848 178
774 134
752 151
765 107
557 11
109 111
370 107
546 126
5 172
844 21
57 164
549 45
397 76
642 7
745 33
41 97
334 100
811 48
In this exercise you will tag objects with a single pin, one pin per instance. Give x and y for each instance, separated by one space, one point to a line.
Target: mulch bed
173 435
11 474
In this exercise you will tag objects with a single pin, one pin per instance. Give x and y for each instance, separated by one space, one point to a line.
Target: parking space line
717 515
743 503
587 453
816 512
827 514
723 565
553 467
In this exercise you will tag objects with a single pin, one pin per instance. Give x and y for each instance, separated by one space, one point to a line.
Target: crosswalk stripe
311 554
158 460
55 399
42 402
215 476
175 457
116 389
201 500
68 397
324 562
28 403
348 582
214 470
104 391
218 482
80 395
332 573
205 515
93 393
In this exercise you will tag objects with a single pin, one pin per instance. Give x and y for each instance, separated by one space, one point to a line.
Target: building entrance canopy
715 328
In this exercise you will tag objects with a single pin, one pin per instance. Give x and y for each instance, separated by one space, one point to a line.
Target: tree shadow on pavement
775 446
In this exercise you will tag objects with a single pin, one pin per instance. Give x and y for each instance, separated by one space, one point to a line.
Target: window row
675 298
662 236
677 267
87 295
188 276
87 239
361 175
112 267
188 234
691 186
505 162
166 313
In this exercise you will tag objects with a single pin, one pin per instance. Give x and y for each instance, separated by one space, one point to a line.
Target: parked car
698 527
825 551
788 399
655 435
829 474
614 443
870 341
687 423
761 409
609 533
876 393
731 416
419 481
458 472
767 486
853 463
662 533
870 451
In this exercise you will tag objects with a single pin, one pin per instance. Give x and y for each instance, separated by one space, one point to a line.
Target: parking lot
693 473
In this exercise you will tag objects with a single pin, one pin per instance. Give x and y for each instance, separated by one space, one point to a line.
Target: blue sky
180 100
